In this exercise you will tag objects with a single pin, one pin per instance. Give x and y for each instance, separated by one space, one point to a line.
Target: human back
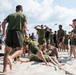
16 21
15 27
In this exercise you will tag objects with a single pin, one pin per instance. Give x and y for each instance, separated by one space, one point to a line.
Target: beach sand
37 68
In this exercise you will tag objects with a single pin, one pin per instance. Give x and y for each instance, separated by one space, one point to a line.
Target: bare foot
61 65
26 60
4 70
47 64
10 62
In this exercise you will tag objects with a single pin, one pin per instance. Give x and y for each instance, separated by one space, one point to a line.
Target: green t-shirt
15 21
41 33
51 39
33 46
33 43
60 33
74 31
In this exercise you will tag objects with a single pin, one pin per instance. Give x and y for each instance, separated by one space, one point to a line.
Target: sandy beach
38 68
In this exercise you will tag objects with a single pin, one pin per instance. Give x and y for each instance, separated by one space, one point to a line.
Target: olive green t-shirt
51 39
41 33
15 21
74 31
60 33
33 46
34 43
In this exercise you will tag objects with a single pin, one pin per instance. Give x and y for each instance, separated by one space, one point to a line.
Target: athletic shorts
35 58
14 39
0 41
73 41
41 41
61 39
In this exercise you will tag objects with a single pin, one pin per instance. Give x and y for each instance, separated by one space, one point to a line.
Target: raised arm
72 26
46 27
36 27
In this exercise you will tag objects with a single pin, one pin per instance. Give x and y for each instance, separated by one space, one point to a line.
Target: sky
46 12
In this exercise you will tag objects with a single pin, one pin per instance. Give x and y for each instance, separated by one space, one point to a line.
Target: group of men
15 37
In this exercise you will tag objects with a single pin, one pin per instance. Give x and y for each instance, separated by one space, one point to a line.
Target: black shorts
60 39
0 41
14 39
